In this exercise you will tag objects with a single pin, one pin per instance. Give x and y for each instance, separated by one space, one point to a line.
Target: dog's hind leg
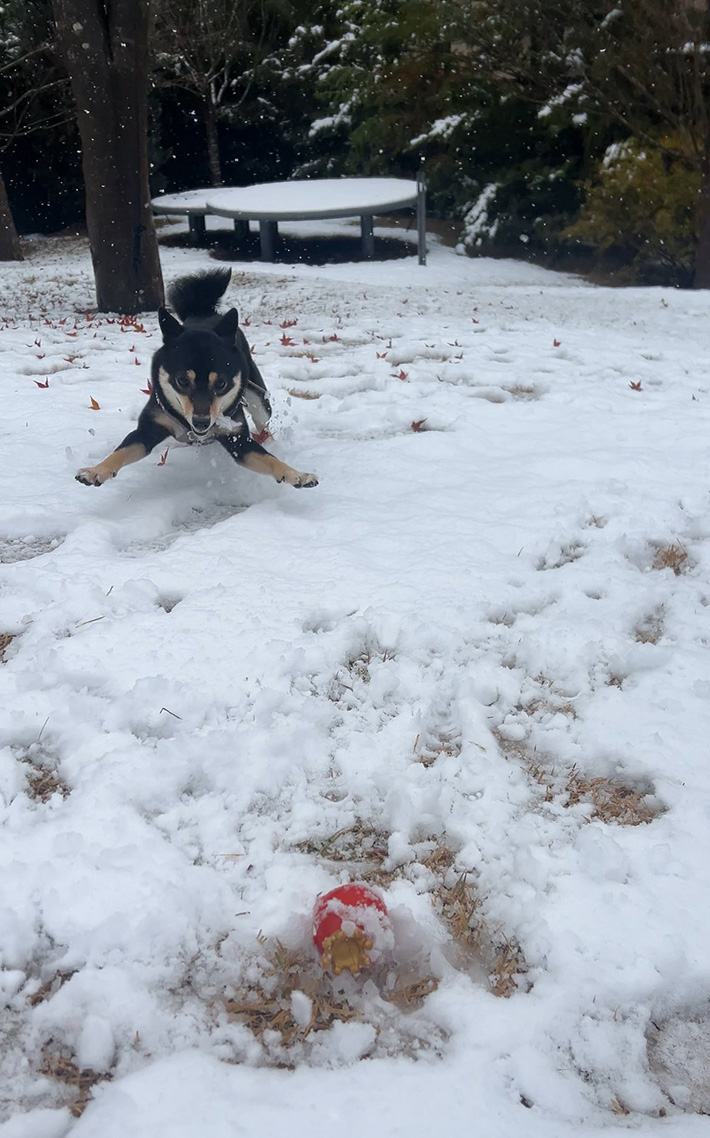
251 454
134 447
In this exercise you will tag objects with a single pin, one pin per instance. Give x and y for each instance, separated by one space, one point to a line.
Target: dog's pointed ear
169 326
227 327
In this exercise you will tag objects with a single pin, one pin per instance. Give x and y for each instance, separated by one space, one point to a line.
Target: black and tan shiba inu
203 378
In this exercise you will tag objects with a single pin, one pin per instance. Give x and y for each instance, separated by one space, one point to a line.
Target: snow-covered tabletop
271 202
190 201
322 197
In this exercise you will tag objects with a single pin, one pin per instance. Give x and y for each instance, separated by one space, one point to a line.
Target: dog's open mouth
202 435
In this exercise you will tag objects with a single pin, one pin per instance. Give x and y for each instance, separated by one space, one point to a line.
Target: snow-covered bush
639 211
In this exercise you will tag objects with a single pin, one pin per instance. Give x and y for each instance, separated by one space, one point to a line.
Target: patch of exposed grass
672 556
569 552
546 700
616 802
295 1000
615 680
430 746
461 908
81 1082
522 391
649 629
361 846
270 1007
356 669
43 782
49 988
612 800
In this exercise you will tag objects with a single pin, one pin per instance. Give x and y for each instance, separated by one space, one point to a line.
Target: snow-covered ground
471 667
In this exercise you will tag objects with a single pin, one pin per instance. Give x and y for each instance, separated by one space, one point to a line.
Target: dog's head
199 371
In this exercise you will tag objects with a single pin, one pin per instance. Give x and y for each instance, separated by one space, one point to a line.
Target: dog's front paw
302 480
91 476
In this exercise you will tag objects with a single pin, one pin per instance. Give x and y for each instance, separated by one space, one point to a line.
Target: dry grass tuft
618 1107
271 1008
355 669
458 905
82 1082
522 391
461 909
673 557
509 964
6 640
547 700
49 988
362 847
438 860
43 783
410 992
431 746
289 972
650 629
613 801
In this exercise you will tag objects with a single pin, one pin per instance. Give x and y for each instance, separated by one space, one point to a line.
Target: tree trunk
212 141
701 278
104 44
9 241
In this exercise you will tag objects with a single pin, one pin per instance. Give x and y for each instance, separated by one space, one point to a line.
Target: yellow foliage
641 204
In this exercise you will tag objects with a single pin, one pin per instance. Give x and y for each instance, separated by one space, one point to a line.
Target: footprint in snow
25 548
199 518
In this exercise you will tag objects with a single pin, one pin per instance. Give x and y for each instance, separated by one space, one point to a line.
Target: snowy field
471 668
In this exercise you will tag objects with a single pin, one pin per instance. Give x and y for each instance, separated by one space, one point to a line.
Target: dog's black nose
200 425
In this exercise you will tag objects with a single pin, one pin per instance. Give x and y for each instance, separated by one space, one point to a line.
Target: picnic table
300 200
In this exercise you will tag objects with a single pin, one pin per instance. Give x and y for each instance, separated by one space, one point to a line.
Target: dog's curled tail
198 294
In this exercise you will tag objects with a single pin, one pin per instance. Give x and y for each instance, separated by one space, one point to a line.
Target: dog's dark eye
181 383
221 386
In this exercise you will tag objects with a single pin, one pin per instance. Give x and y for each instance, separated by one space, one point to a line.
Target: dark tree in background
210 49
30 92
104 46
638 68
10 249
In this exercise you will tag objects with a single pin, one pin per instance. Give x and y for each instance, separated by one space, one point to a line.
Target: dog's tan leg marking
109 468
267 464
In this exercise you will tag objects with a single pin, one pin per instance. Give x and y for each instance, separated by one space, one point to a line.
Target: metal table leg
268 232
196 226
421 218
368 237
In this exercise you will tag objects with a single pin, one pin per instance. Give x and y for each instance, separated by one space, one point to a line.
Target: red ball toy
348 923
